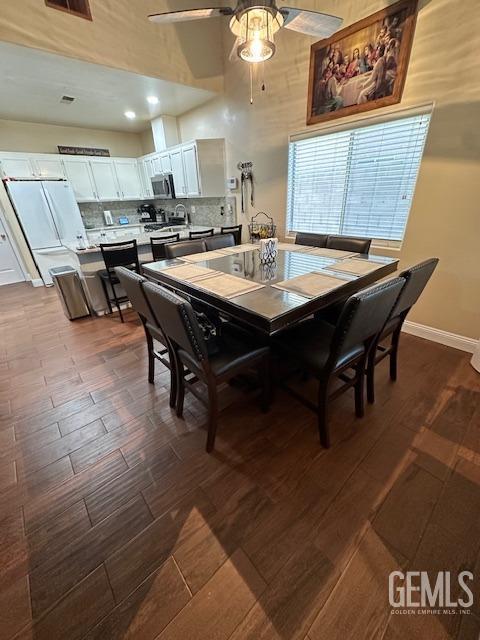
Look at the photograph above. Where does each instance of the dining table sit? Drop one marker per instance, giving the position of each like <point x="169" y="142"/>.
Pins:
<point x="270" y="296"/>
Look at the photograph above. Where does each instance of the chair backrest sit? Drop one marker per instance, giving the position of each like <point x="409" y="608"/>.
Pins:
<point x="349" y="243"/>
<point x="363" y="316"/>
<point x="177" y="320"/>
<point x="200" y="234"/>
<point x="220" y="242"/>
<point x="120" y="254"/>
<point x="416" y="279"/>
<point x="236" y="230"/>
<point x="132" y="285"/>
<point x="158" y="245"/>
<point x="311" y="239"/>
<point x="179" y="249"/>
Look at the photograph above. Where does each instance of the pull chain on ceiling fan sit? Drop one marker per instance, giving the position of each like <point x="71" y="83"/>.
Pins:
<point x="255" y="24"/>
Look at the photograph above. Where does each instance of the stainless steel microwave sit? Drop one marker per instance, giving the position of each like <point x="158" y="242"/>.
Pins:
<point x="163" y="186"/>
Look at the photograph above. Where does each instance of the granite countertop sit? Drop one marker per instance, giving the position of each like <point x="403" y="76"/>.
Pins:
<point x="141" y="238"/>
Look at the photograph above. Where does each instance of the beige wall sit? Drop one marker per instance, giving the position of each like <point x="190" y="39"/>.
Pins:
<point x="43" y="138"/>
<point x="445" y="217"/>
<point x="120" y="36"/>
<point x="146" y="139"/>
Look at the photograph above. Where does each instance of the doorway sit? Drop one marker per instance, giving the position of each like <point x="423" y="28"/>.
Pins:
<point x="10" y="269"/>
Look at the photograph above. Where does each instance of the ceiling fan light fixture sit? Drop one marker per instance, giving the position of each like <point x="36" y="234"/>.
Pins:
<point x="255" y="29"/>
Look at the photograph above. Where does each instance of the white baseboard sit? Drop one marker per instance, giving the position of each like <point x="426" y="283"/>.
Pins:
<point x="36" y="282"/>
<point x="438" y="335"/>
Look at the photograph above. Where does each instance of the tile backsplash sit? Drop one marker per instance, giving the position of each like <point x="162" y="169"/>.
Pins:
<point x="208" y="211"/>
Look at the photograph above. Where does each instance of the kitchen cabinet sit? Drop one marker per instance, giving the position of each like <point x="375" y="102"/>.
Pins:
<point x="178" y="171"/>
<point x="49" y="166"/>
<point x="157" y="165"/>
<point x="79" y="174"/>
<point x="165" y="162"/>
<point x="16" y="165"/>
<point x="191" y="173"/>
<point x="145" y="166"/>
<point x="105" y="179"/>
<point x="129" y="180"/>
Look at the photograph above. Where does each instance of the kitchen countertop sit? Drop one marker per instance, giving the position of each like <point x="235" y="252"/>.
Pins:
<point x="141" y="238"/>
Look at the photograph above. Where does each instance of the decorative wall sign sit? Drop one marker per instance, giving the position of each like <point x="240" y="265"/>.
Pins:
<point x="83" y="151"/>
<point x="362" y="67"/>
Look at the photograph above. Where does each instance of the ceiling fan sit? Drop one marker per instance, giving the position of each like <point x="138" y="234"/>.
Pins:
<point x="255" y="24"/>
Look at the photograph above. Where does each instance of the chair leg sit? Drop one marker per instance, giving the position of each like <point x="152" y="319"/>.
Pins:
<point x="359" y="389"/>
<point x="107" y="297"/>
<point x="323" y="429"/>
<point x="212" y="415"/>
<point x="151" y="358"/>
<point x="371" y="374"/>
<point x="394" y="354"/>
<point x="180" y="387"/>
<point x="266" y="384"/>
<point x="117" y="303"/>
<point x="173" y="379"/>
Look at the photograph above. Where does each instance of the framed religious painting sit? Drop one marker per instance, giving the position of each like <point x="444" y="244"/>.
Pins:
<point x="363" y="66"/>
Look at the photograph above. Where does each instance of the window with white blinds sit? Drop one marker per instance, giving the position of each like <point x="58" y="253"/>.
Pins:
<point x="358" y="182"/>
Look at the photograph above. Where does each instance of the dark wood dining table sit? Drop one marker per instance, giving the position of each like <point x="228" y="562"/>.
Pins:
<point x="269" y="309"/>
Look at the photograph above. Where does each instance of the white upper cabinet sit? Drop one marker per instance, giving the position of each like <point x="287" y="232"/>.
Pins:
<point x="79" y="174"/>
<point x="191" y="173"/>
<point x="157" y="165"/>
<point x="129" y="180"/>
<point x="16" y="165"/>
<point x="49" y="166"/>
<point x="176" y="159"/>
<point x="105" y="179"/>
<point x="145" y="166"/>
<point x="165" y="162"/>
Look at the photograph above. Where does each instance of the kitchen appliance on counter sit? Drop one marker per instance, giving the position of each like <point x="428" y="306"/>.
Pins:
<point x="147" y="212"/>
<point x="163" y="186"/>
<point x="49" y="216"/>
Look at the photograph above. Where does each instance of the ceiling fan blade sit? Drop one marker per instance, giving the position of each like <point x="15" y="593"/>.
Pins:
<point x="190" y="14"/>
<point x="311" y="23"/>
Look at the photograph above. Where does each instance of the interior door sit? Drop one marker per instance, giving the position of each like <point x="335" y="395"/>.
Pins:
<point x="80" y="177"/>
<point x="34" y="213"/>
<point x="192" y="183"/>
<point x="129" y="178"/>
<point x="178" y="173"/>
<point x="10" y="270"/>
<point x="105" y="179"/>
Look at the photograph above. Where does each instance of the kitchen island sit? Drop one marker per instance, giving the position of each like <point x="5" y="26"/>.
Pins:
<point x="89" y="261"/>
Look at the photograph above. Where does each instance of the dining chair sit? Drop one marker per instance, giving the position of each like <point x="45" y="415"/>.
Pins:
<point x="186" y="248"/>
<point x="200" y="234"/>
<point x="329" y="352"/>
<point x="132" y="284"/>
<point x="236" y="230"/>
<point x="220" y="242"/>
<point x="349" y="243"/>
<point x="237" y="352"/>
<point x="416" y="279"/>
<point x="117" y="254"/>
<point x="158" y="245"/>
<point x="311" y="239"/>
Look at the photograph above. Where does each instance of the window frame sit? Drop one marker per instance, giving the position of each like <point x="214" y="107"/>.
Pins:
<point x="86" y="16"/>
<point x="348" y="125"/>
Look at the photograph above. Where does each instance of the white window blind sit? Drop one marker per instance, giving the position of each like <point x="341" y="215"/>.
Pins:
<point x="358" y="182"/>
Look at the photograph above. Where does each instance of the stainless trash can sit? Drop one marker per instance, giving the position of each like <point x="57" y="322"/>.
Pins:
<point x="70" y="291"/>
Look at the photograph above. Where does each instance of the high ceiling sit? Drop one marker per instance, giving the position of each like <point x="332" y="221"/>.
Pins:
<point x="33" y="82"/>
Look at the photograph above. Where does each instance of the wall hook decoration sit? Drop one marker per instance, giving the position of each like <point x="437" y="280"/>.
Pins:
<point x="246" y="169"/>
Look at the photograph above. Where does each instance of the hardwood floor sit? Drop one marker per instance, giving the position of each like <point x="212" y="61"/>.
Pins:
<point x="115" y="523"/>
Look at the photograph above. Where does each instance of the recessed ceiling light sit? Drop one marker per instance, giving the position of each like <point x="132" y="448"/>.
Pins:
<point x="152" y="100"/>
<point x="130" y="115"/>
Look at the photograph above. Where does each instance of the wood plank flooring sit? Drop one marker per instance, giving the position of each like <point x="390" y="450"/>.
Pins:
<point x="115" y="523"/>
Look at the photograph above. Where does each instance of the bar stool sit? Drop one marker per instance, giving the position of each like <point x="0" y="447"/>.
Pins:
<point x="117" y="254"/>
<point x="200" y="234"/>
<point x="236" y="231"/>
<point x="158" y="245"/>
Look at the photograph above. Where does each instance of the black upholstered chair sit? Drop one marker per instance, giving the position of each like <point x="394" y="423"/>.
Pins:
<point x="117" y="254"/>
<point x="311" y="239"/>
<point x="235" y="230"/>
<point x="328" y="351"/>
<point x="179" y="249"/>
<point x="132" y="284"/>
<point x="220" y="242"/>
<point x="349" y="243"/>
<point x="236" y="353"/>
<point x="416" y="279"/>
<point x="200" y="234"/>
<point x="158" y="245"/>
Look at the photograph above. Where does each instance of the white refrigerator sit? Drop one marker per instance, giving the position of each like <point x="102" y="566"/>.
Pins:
<point x="51" y="221"/>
